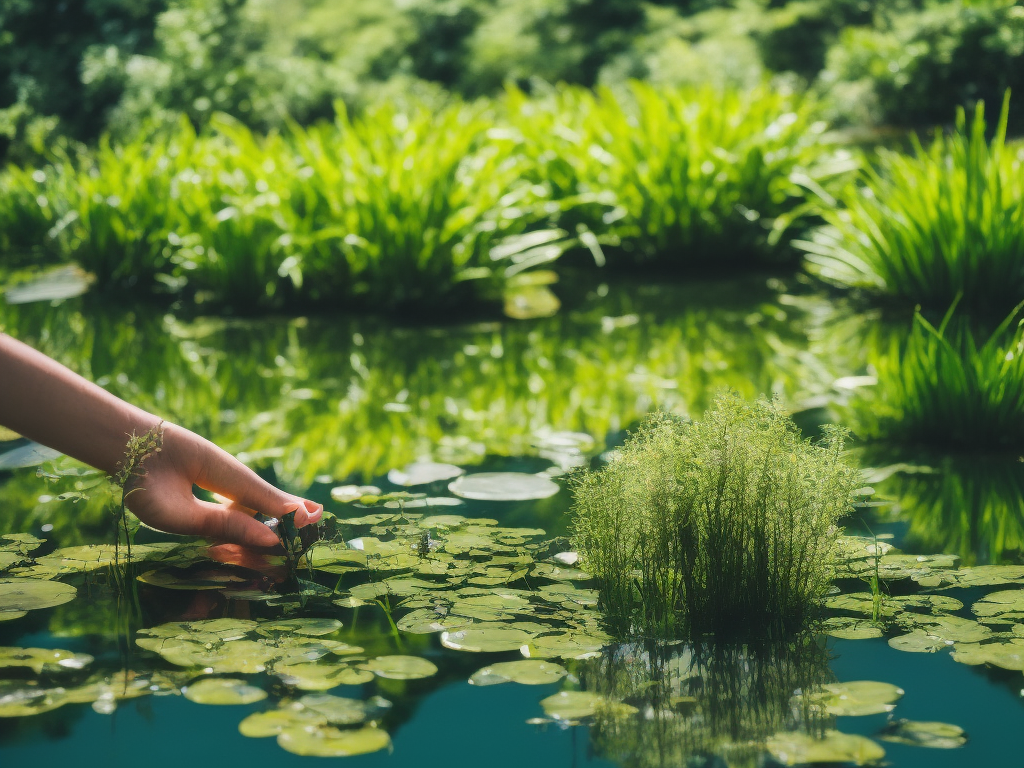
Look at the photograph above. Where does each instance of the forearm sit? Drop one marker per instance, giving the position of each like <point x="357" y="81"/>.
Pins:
<point x="46" y="402"/>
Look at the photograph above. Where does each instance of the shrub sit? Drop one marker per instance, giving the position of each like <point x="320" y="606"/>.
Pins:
<point x="944" y="221"/>
<point x="938" y="387"/>
<point x="722" y="526"/>
<point x="698" y="177"/>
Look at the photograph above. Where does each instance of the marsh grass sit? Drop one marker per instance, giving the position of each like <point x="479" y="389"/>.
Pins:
<point x="943" y="221"/>
<point x="723" y="526"/>
<point x="941" y="387"/>
<point x="696" y="178"/>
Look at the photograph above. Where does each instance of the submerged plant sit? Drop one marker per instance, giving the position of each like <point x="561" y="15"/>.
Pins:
<point x="720" y="526"/>
<point x="938" y="386"/>
<point x="947" y="220"/>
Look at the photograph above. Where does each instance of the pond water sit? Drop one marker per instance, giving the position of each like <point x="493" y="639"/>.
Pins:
<point x="474" y="580"/>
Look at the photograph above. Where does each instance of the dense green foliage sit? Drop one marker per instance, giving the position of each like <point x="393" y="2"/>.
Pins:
<point x="940" y="387"/>
<point x="75" y="69"/>
<point x="696" y="177"/>
<point x="724" y="525"/>
<point x="945" y="221"/>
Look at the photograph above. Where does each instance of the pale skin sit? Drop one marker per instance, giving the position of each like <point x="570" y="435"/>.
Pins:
<point x="46" y="402"/>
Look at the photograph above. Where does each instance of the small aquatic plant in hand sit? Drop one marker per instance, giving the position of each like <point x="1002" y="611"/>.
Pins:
<point x="723" y="526"/>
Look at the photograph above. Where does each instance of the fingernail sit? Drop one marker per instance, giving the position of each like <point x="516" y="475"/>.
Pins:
<point x="314" y="517"/>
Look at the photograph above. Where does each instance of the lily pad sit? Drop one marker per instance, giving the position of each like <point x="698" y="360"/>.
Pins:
<point x="18" y="595"/>
<point x="481" y="638"/>
<point x="856" y="698"/>
<point x="918" y="641"/>
<point x="320" y="676"/>
<point x="333" y="742"/>
<point x="834" y="747"/>
<point x="337" y="710"/>
<point x="400" y="667"/>
<point x="924" y="734"/>
<point x="576" y="705"/>
<point x="525" y="672"/>
<point x="503" y="486"/>
<point x="850" y="628"/>
<point x="1006" y="654"/>
<point x="43" y="659"/>
<point x="222" y="691"/>
<point x="1006" y="607"/>
<point x="423" y="473"/>
<point x="309" y="627"/>
<point x="260" y="725"/>
<point x="349" y="493"/>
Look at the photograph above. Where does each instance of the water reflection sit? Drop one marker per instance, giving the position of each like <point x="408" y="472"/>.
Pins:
<point x="696" y="705"/>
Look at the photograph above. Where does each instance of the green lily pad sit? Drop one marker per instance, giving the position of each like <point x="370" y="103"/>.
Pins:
<point x="222" y="691"/>
<point x="482" y="638"/>
<point x="349" y="493"/>
<point x="320" y="676"/>
<point x="426" y="620"/>
<point x="21" y="594"/>
<point x="834" y="747"/>
<point x="989" y="575"/>
<point x="424" y="472"/>
<point x="275" y="721"/>
<point x="948" y="628"/>
<point x="918" y="641"/>
<point x="1006" y="654"/>
<point x="309" y="627"/>
<point x="336" y="710"/>
<point x="333" y="742"/>
<point x="566" y="645"/>
<point x="441" y="521"/>
<point x="924" y="734"/>
<point x="43" y="659"/>
<point x="855" y="698"/>
<point x="576" y="705"/>
<point x="525" y="672"/>
<point x="559" y="573"/>
<point x="1006" y="607"/>
<point x="400" y="667"/>
<point x="849" y="628"/>
<point x="503" y="486"/>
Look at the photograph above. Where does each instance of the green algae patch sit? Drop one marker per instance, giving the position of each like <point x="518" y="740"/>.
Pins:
<point x="832" y="747"/>
<point x="222" y="691"/>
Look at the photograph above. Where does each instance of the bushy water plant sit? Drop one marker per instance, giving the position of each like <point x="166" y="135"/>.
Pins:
<point x="926" y="227"/>
<point x="941" y="386"/>
<point x="697" y="177"/>
<point x="722" y="526"/>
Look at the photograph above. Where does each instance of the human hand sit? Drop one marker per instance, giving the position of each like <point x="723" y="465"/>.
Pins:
<point x="161" y="494"/>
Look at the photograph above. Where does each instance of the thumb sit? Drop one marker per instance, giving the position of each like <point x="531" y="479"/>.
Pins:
<point x="230" y="524"/>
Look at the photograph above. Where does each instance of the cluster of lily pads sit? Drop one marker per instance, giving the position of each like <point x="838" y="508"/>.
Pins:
<point x="481" y="587"/>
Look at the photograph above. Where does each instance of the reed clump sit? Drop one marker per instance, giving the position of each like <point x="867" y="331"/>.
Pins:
<point x="943" y="221"/>
<point x="723" y="526"/>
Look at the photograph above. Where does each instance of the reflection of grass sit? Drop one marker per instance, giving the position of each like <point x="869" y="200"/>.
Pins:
<point x="725" y="525"/>
<point x="926" y="227"/>
<point x="971" y="506"/>
<point x="938" y="386"/>
<point x="700" y="702"/>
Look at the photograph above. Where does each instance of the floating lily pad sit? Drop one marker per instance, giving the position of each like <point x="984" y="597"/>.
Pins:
<point x="441" y="521"/>
<point x="503" y="486"/>
<point x="222" y="691"/>
<point x="480" y="638"/>
<point x="320" y="676"/>
<point x="337" y="710"/>
<point x="426" y="620"/>
<point x="1004" y="607"/>
<point x="18" y="595"/>
<point x="349" y="493"/>
<point x="849" y="628"/>
<point x="989" y="575"/>
<point x="309" y="627"/>
<point x="566" y="645"/>
<point x="401" y="667"/>
<point x="924" y="734"/>
<point x="424" y="472"/>
<point x="918" y="641"/>
<point x="43" y="659"/>
<point x="333" y="742"/>
<point x="576" y="705"/>
<point x="275" y="721"/>
<point x="525" y="672"/>
<point x="1007" y="654"/>
<point x="948" y="628"/>
<point x="856" y="698"/>
<point x="834" y="747"/>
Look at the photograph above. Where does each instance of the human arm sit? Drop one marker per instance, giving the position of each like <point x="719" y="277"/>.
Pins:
<point x="46" y="402"/>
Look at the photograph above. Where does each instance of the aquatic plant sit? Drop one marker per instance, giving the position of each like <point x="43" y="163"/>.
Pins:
<point x="944" y="221"/>
<point x="723" y="526"/>
<point x="939" y="386"/>
<point x="697" y="178"/>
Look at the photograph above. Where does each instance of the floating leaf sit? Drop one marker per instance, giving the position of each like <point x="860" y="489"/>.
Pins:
<point x="834" y="747"/>
<point x="43" y="659"/>
<point x="503" y="486"/>
<point x="924" y="734"/>
<point x="856" y="698"/>
<point x="309" y="627"/>
<point x="400" y="667"/>
<point x="1004" y="607"/>
<point x="918" y="641"/>
<point x="222" y="691"/>
<point x="482" y="638"/>
<point x="525" y="672"/>
<point x="424" y="472"/>
<point x="1007" y="654"/>
<point x="333" y="742"/>
<point x="275" y="721"/>
<point x="349" y="493"/>
<point x="576" y="705"/>
<point x="18" y="595"/>
<point x="849" y="628"/>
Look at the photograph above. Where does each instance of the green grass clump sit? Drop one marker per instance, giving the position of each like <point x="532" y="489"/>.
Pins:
<point x="696" y="178"/>
<point x="944" y="221"/>
<point x="721" y="526"/>
<point x="938" y="386"/>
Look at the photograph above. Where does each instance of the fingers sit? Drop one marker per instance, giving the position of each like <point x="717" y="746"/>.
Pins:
<point x="230" y="524"/>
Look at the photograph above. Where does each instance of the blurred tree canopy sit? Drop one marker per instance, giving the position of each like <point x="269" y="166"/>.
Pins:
<point x="77" y="68"/>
